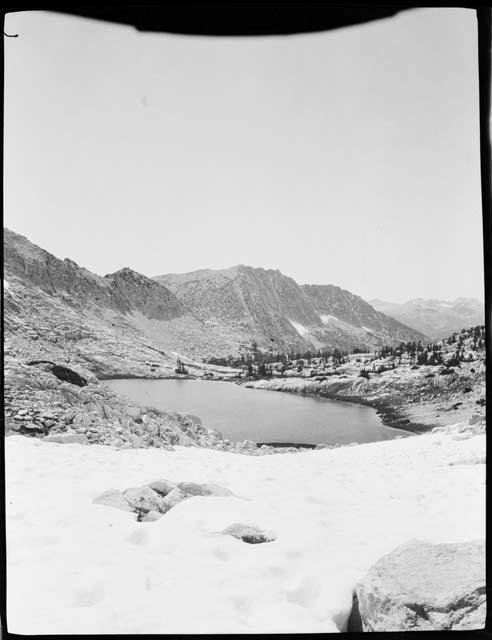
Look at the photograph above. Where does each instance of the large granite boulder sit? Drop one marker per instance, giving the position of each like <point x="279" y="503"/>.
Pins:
<point x="422" y="586"/>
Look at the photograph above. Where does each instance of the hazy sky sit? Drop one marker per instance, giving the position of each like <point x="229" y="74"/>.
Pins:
<point x="348" y="157"/>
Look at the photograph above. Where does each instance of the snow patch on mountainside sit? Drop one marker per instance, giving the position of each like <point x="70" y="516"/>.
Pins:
<point x="301" y="329"/>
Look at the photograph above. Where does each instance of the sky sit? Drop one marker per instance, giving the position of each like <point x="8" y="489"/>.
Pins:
<point x="348" y="157"/>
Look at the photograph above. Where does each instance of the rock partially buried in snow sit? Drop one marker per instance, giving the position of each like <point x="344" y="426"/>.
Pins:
<point x="217" y="490"/>
<point x="149" y="502"/>
<point x="247" y="533"/>
<point x="113" y="498"/>
<point x="67" y="438"/>
<point x="173" y="498"/>
<point x="194" y="489"/>
<point x="422" y="586"/>
<point x="143" y="499"/>
<point x="207" y="489"/>
<point x="151" y="516"/>
<point x="162" y="486"/>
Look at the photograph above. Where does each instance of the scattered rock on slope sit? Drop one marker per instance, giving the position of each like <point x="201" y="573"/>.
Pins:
<point x="422" y="586"/>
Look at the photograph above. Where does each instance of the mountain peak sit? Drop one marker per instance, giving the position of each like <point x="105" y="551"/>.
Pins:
<point x="436" y="318"/>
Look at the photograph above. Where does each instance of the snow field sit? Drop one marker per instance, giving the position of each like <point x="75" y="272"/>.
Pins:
<point x="77" y="567"/>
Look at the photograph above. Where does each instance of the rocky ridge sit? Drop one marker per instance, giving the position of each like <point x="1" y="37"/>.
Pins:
<point x="267" y="307"/>
<point x="120" y="324"/>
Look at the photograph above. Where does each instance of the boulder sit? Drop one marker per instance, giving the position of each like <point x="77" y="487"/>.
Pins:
<point x="66" y="374"/>
<point x="247" y="533"/>
<point x="31" y="428"/>
<point x="248" y="444"/>
<point x="67" y="438"/>
<point x="194" y="489"/>
<point x="151" y="516"/>
<point x="190" y="420"/>
<point x="163" y="487"/>
<point x="186" y="441"/>
<point x="82" y="420"/>
<point x="113" y="498"/>
<point x="173" y="498"/>
<point x="422" y="586"/>
<point x="143" y="499"/>
<point x="134" y="413"/>
<point x="217" y="490"/>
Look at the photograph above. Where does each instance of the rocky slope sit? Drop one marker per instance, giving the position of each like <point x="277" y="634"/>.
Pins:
<point x="198" y="315"/>
<point x="122" y="323"/>
<point x="41" y="402"/>
<point x="271" y="309"/>
<point x="436" y="318"/>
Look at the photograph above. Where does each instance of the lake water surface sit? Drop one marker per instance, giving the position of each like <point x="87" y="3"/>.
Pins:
<point x="263" y="416"/>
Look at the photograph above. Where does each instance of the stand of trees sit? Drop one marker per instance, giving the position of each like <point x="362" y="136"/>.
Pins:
<point x="180" y="368"/>
<point x="257" y="357"/>
<point x="258" y="363"/>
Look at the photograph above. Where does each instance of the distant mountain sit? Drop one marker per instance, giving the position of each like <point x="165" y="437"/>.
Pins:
<point x="54" y="309"/>
<point x="436" y="318"/>
<point x="267" y="307"/>
<point x="127" y="322"/>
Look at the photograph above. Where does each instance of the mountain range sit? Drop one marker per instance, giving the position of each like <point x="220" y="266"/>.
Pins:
<point x="435" y="318"/>
<point x="126" y="322"/>
<point x="263" y="305"/>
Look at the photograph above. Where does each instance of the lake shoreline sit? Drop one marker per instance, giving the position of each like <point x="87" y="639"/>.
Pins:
<point x="305" y="422"/>
<point x="391" y="415"/>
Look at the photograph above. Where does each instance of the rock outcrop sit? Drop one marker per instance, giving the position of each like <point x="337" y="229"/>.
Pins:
<point x="422" y="586"/>
<point x="38" y="403"/>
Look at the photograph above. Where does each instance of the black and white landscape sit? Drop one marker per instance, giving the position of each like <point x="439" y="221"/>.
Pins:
<point x="244" y="341"/>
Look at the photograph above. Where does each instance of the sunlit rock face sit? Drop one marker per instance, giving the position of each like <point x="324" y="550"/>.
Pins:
<point x="422" y="586"/>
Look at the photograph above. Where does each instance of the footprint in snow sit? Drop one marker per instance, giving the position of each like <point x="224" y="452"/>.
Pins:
<point x="139" y="536"/>
<point x="87" y="595"/>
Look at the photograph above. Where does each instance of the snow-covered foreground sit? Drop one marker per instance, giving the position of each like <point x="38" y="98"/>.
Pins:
<point x="77" y="567"/>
